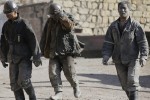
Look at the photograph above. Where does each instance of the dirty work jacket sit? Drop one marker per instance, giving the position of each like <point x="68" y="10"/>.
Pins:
<point x="57" y="37"/>
<point x="131" y="45"/>
<point x="18" y="41"/>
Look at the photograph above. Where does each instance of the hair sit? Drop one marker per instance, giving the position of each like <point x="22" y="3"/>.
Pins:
<point x="125" y="2"/>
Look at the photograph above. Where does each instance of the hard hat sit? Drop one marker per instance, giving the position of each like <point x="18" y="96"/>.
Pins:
<point x="9" y="7"/>
<point x="54" y="7"/>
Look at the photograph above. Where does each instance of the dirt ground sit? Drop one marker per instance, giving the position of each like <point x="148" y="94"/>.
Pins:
<point x="97" y="82"/>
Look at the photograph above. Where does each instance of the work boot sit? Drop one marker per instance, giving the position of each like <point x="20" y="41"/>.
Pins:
<point x="77" y="92"/>
<point x="31" y="93"/>
<point x="57" y="96"/>
<point x="133" y="95"/>
<point x="19" y="95"/>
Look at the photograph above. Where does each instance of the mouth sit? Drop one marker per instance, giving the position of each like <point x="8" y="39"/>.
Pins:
<point x="123" y="12"/>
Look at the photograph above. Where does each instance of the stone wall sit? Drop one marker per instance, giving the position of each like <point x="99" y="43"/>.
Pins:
<point x="36" y="14"/>
<point x="94" y="16"/>
<point x="2" y="18"/>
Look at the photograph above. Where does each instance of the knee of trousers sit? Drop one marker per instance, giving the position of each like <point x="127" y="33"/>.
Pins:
<point x="73" y="80"/>
<point x="55" y="79"/>
<point x="15" y="87"/>
<point x="53" y="75"/>
<point x="132" y="81"/>
<point x="133" y="85"/>
<point x="25" y="83"/>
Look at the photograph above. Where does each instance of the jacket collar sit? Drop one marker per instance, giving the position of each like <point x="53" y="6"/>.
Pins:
<point x="115" y="23"/>
<point x="128" y="25"/>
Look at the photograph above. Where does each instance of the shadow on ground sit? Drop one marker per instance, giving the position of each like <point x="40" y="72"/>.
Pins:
<point x="113" y="79"/>
<point x="145" y="81"/>
<point x="103" y="78"/>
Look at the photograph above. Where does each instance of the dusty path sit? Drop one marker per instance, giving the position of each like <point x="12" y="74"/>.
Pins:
<point x="97" y="82"/>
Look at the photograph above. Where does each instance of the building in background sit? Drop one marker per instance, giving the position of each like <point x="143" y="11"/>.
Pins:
<point x="93" y="16"/>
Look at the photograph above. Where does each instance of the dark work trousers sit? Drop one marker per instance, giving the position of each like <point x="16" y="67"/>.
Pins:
<point x="129" y="75"/>
<point x="20" y="72"/>
<point x="56" y="65"/>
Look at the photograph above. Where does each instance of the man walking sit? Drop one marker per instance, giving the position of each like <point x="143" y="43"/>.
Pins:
<point x="60" y="45"/>
<point x="17" y="45"/>
<point x="126" y="42"/>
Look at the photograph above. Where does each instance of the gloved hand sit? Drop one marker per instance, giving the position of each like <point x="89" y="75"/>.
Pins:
<point x="142" y="62"/>
<point x="57" y="14"/>
<point x="4" y="64"/>
<point x="105" y="60"/>
<point x="37" y="62"/>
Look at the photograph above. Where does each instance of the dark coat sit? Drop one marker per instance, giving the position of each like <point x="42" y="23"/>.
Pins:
<point x="58" y="38"/>
<point x="18" y="41"/>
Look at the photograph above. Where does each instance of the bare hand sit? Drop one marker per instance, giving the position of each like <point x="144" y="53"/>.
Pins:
<point x="142" y="62"/>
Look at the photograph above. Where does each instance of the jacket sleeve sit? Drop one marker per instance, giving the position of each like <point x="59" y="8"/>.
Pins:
<point x="66" y="20"/>
<point x="108" y="43"/>
<point x="43" y="38"/>
<point x="32" y="40"/>
<point x="4" y="47"/>
<point x="142" y="41"/>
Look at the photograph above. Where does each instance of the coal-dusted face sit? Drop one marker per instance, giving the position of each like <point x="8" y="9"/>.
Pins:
<point x="11" y="15"/>
<point x="123" y="10"/>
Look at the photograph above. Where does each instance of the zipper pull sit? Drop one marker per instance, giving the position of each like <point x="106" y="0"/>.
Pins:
<point x="18" y="37"/>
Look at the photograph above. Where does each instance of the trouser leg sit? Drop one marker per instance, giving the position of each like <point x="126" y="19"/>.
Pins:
<point x="122" y="73"/>
<point x="133" y="95"/>
<point x="129" y="76"/>
<point x="69" y="70"/>
<point x="25" y="70"/>
<point x="55" y="74"/>
<point x="30" y="91"/>
<point x="13" y="75"/>
<point x="19" y="95"/>
<point x="127" y="93"/>
<point x="55" y="78"/>
<point x="70" y="73"/>
<point x="133" y="76"/>
<point x="20" y="74"/>
<point x="133" y="79"/>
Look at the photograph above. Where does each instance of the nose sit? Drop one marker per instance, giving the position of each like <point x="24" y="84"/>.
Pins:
<point x="122" y="10"/>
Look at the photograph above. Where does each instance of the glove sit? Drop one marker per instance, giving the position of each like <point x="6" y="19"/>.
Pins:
<point x="57" y="15"/>
<point x="142" y="62"/>
<point x="37" y="62"/>
<point x="4" y="64"/>
<point x="105" y="60"/>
